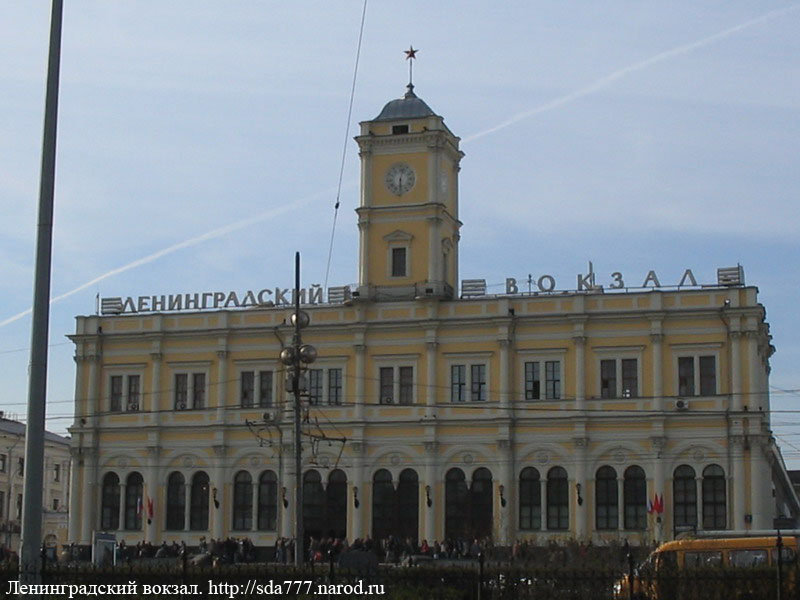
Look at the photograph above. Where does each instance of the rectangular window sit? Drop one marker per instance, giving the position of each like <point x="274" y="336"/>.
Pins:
<point x="315" y="386"/>
<point x="3" y="459"/>
<point x="2" y="504"/>
<point x="478" y="383"/>
<point x="552" y="379"/>
<point x="21" y="467"/>
<point x="57" y="472"/>
<point x="133" y="392"/>
<point x="116" y="393"/>
<point x="458" y="382"/>
<point x="334" y="386"/>
<point x="198" y="390"/>
<point x="387" y="385"/>
<point x="19" y="506"/>
<point x="55" y="503"/>
<point x="686" y="376"/>
<point x="265" y="389"/>
<point x="398" y="262"/>
<point x="246" y="389"/>
<point x="608" y="378"/>
<point x="708" y="376"/>
<point x="406" y="385"/>
<point x="181" y="391"/>
<point x="630" y="378"/>
<point x="533" y="381"/>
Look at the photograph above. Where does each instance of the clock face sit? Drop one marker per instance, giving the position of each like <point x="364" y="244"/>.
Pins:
<point x="400" y="178"/>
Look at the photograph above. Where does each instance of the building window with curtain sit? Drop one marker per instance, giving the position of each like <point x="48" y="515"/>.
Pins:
<point x="557" y="499"/>
<point x="242" y="501"/>
<point x="109" y="512"/>
<point x="176" y="501"/>
<point x="133" y="502"/>
<point x="606" y="499"/>
<point x="684" y="495"/>
<point x="530" y="500"/>
<point x="267" y="501"/>
<point x="715" y="514"/>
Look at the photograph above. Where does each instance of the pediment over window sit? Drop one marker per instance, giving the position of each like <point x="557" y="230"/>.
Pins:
<point x="398" y="236"/>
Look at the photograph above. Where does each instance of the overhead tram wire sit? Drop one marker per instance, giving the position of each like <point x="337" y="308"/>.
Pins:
<point x="345" y="144"/>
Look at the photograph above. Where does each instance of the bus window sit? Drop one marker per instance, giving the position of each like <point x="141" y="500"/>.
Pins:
<point x="702" y="559"/>
<point x="748" y="558"/>
<point x="668" y="560"/>
<point x="787" y="555"/>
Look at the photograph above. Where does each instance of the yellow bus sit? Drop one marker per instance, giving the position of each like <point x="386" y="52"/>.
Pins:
<point x="658" y="577"/>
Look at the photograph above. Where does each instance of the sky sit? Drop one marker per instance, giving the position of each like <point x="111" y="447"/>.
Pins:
<point x="200" y="145"/>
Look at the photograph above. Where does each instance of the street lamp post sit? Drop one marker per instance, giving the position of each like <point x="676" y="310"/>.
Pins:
<point x="297" y="356"/>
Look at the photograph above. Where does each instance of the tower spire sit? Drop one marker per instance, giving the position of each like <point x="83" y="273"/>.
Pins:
<point x="411" y="55"/>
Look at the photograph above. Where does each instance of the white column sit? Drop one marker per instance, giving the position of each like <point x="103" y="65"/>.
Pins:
<point x="151" y="487"/>
<point x="659" y="485"/>
<point x="737" y="506"/>
<point x="760" y="486"/>
<point x="222" y="379"/>
<point x="621" y="500"/>
<point x="219" y="484"/>
<point x="363" y="251"/>
<point x="361" y="397"/>
<point x="286" y="492"/>
<point x="430" y="389"/>
<point x="254" y="524"/>
<point x="187" y="507"/>
<point x="431" y="531"/>
<point x="657" y="341"/>
<point x="74" y="497"/>
<point x="506" y="520"/>
<point x="737" y="399"/>
<point x="505" y="396"/>
<point x="581" y="525"/>
<point x="155" y="389"/>
<point x="580" y="372"/>
<point x="89" y="490"/>
<point x="122" y="488"/>
<point x="356" y="514"/>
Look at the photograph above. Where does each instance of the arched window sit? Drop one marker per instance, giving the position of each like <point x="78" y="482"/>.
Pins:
<point x="408" y="505"/>
<point x="481" y="503"/>
<point x="606" y="499"/>
<point x="684" y="497"/>
<point x="530" y="500"/>
<point x="242" y="501"/>
<point x="336" y="504"/>
<point x="456" y="505"/>
<point x="198" y="515"/>
<point x="176" y="501"/>
<point x="715" y="514"/>
<point x="133" y="502"/>
<point x="557" y="499"/>
<point x="268" y="501"/>
<point x="384" y="505"/>
<point x="635" y="497"/>
<point x="109" y="518"/>
<point x="314" y="500"/>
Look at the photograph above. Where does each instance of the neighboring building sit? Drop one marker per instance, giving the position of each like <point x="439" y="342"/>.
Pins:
<point x="55" y="497"/>
<point x="429" y="415"/>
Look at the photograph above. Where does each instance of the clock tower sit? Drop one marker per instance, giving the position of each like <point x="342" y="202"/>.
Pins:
<point x="408" y="214"/>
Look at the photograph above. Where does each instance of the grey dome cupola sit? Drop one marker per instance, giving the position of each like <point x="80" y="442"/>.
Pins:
<point x="407" y="107"/>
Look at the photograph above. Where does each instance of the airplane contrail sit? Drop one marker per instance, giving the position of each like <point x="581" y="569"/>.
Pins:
<point x="209" y="235"/>
<point x="637" y="66"/>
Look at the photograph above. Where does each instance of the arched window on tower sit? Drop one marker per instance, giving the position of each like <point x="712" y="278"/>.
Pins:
<point x="530" y="500"/>
<point x="715" y="514"/>
<point x="684" y="497"/>
<point x="242" y="501"/>
<point x="176" y="501"/>
<point x="456" y="505"/>
<point x="133" y="502"/>
<point x="109" y="518"/>
<point x="198" y="515"/>
<point x="635" y="497"/>
<point x="606" y="499"/>
<point x="268" y="501"/>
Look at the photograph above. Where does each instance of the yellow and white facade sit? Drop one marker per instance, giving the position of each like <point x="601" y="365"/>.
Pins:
<point x="429" y="415"/>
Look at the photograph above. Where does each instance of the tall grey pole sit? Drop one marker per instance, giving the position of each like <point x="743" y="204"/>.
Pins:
<point x="298" y="447"/>
<point x="37" y="386"/>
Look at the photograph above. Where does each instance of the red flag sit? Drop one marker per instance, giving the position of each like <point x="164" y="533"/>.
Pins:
<point x="149" y="508"/>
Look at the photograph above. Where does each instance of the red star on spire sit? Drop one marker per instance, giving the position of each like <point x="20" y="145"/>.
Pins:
<point x="411" y="52"/>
